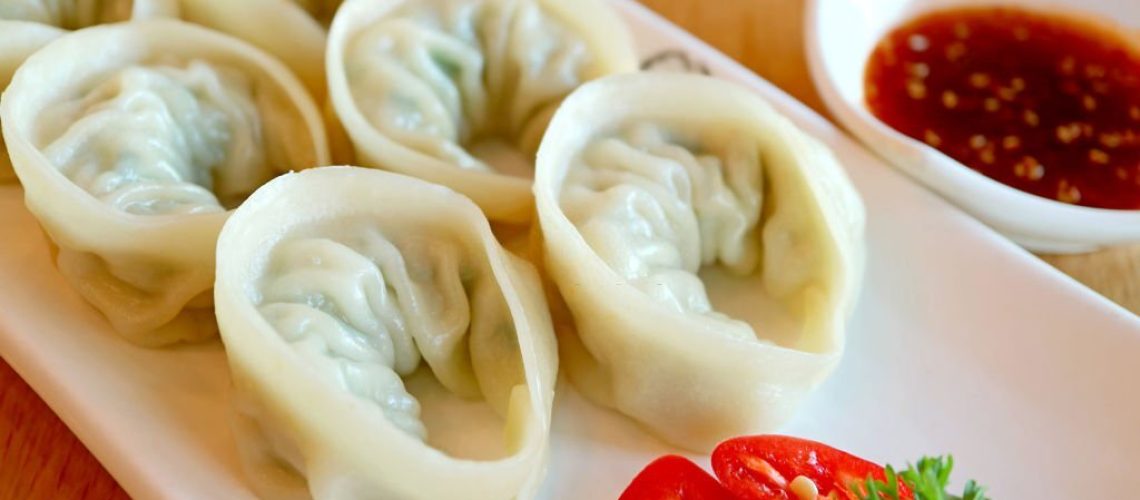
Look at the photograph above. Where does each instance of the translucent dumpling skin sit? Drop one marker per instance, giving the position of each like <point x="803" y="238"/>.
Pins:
<point x="156" y="140"/>
<point x="459" y="92"/>
<point x="131" y="161"/>
<point x="336" y="284"/>
<point x="28" y="25"/>
<point x="708" y="251"/>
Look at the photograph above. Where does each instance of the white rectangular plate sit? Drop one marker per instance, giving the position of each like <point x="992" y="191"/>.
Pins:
<point x="962" y="343"/>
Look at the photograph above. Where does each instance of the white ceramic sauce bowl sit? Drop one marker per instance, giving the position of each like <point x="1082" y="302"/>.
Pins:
<point x="841" y="35"/>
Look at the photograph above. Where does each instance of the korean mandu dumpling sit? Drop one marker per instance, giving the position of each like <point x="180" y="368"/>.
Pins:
<point x="708" y="251"/>
<point x="334" y="285"/>
<point x="27" y="25"/>
<point x="459" y="92"/>
<point x="131" y="160"/>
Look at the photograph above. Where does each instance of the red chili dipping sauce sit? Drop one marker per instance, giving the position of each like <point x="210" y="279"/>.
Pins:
<point x="1042" y="103"/>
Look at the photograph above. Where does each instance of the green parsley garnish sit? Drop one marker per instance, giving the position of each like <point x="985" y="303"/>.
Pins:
<point x="927" y="481"/>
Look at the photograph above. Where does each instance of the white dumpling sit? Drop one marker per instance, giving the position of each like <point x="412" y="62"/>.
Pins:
<point x="459" y="92"/>
<point x="708" y="251"/>
<point x="131" y="160"/>
<point x="27" y="25"/>
<point x="334" y="286"/>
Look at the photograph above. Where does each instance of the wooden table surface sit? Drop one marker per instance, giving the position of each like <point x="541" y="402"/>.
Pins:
<point x="41" y="458"/>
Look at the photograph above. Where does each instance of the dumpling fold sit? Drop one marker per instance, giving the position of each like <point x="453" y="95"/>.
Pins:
<point x="339" y="290"/>
<point x="459" y="92"/>
<point x="28" y="25"/>
<point x="133" y="141"/>
<point x="708" y="250"/>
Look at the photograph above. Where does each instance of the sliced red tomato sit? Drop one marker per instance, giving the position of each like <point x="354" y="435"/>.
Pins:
<point x="673" y="477"/>
<point x="763" y="468"/>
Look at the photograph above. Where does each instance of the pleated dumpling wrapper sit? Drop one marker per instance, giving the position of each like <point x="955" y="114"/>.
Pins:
<point x="292" y="30"/>
<point x="132" y="142"/>
<point x="334" y="286"/>
<point x="708" y="251"/>
<point x="28" y="25"/>
<point x="459" y="92"/>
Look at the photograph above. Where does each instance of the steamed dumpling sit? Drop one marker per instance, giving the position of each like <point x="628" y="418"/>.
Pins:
<point x="27" y="25"/>
<point x="131" y="160"/>
<point x="459" y="92"/>
<point x="708" y="251"/>
<point x="334" y="287"/>
<point x="165" y="139"/>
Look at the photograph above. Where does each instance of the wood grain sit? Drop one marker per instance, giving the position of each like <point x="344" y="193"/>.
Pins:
<point x="764" y="35"/>
<point x="40" y="458"/>
<point x="1114" y="273"/>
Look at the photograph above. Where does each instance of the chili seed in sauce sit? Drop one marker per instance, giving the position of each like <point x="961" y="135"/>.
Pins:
<point x="1043" y="103"/>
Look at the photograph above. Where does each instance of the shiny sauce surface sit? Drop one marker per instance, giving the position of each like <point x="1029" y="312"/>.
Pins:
<point x="1043" y="103"/>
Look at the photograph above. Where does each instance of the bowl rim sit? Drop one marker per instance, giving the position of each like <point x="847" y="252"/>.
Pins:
<point x="1035" y="222"/>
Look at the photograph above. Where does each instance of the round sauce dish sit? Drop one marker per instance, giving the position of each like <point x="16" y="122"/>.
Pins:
<point x="1038" y="102"/>
<point x="1025" y="114"/>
